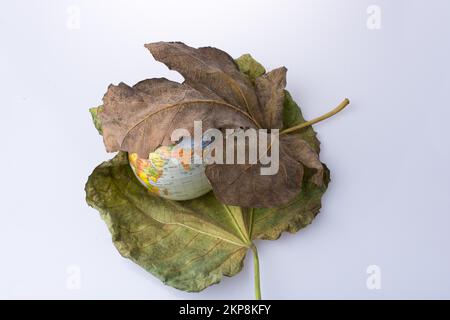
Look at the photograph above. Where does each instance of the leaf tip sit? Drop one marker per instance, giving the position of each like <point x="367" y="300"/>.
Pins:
<point x="248" y="65"/>
<point x="95" y="114"/>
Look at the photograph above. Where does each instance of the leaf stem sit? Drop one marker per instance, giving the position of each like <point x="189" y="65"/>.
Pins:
<point x="256" y="273"/>
<point x="245" y="238"/>
<point x="341" y="106"/>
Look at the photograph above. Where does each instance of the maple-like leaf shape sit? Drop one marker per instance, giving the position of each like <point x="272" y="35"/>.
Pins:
<point x="139" y="119"/>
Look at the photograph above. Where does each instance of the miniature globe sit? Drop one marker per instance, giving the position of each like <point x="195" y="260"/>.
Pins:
<point x="171" y="172"/>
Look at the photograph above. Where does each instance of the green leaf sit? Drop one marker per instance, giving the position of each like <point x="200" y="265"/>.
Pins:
<point x="191" y="245"/>
<point x="188" y="245"/>
<point x="95" y="114"/>
<point x="250" y="66"/>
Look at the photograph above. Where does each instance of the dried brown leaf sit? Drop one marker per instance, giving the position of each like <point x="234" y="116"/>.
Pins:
<point x="141" y="118"/>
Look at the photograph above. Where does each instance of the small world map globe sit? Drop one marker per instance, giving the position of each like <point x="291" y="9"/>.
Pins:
<point x="171" y="172"/>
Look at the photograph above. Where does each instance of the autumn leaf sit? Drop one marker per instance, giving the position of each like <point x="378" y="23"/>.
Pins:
<point x="141" y="118"/>
<point x="192" y="244"/>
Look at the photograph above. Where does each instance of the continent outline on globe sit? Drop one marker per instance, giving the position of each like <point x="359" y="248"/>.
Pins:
<point x="170" y="172"/>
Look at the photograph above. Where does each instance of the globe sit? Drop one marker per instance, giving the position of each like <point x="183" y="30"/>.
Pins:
<point x="171" y="172"/>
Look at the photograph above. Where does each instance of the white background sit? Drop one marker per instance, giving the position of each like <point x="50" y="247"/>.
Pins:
<point x="389" y="200"/>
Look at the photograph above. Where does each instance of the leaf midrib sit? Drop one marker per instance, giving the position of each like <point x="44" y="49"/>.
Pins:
<point x="199" y="101"/>
<point x="174" y="223"/>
